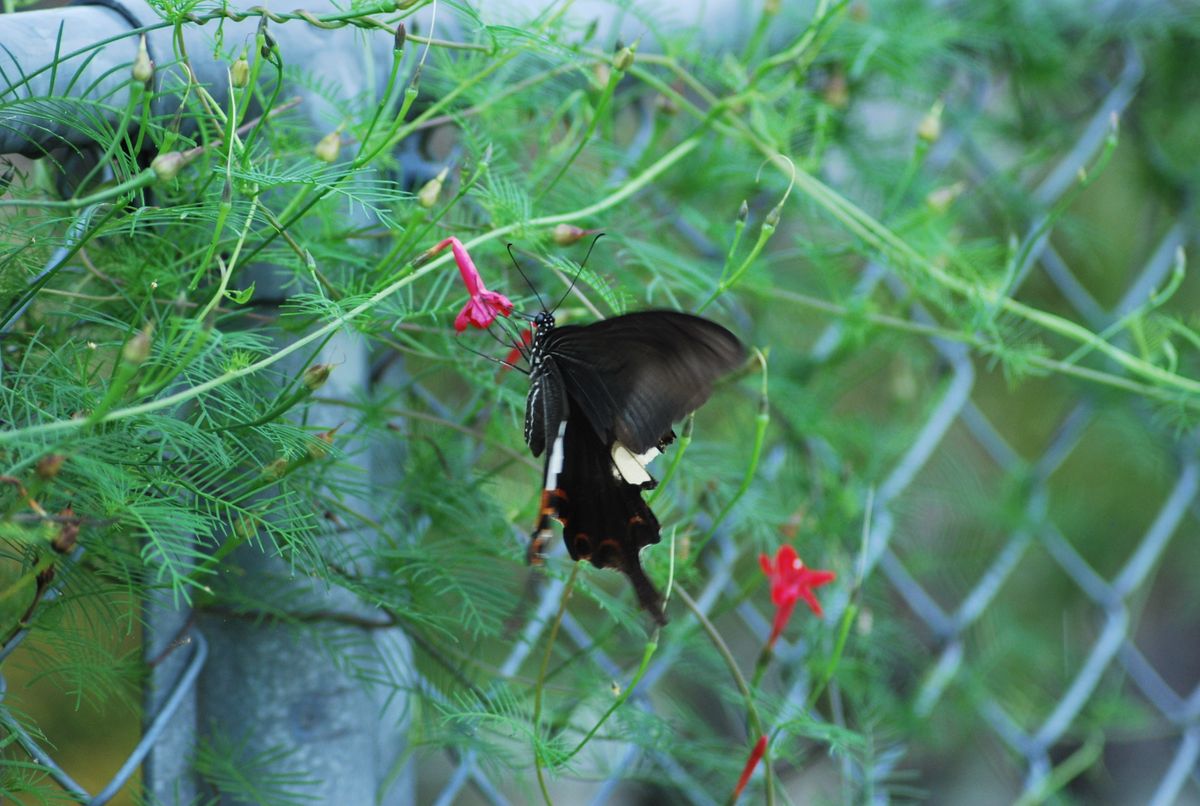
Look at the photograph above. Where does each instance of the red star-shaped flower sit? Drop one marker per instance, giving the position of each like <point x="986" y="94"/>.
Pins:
<point x="791" y="580"/>
<point x="484" y="306"/>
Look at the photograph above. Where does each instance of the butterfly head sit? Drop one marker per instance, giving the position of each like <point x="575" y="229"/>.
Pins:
<point x="543" y="322"/>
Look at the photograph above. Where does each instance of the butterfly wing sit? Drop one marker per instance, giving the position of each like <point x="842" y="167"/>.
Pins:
<point x="634" y="375"/>
<point x="546" y="405"/>
<point x="601" y="397"/>
<point x="604" y="518"/>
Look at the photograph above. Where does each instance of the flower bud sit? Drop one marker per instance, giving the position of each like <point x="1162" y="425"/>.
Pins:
<point x="49" y="465"/>
<point x="567" y="234"/>
<point x="666" y="105"/>
<point x="743" y="212"/>
<point x="623" y="59"/>
<point x="68" y="533"/>
<point x="930" y="128"/>
<point x="940" y="200"/>
<point x="143" y="65"/>
<point x="245" y="529"/>
<point x="837" y="90"/>
<point x="239" y="73"/>
<point x="428" y="195"/>
<point x="329" y="147"/>
<point x="167" y="166"/>
<point x="137" y="349"/>
<point x="320" y="449"/>
<point x="315" y="376"/>
<point x="772" y="219"/>
<point x="401" y="35"/>
<point x="276" y="469"/>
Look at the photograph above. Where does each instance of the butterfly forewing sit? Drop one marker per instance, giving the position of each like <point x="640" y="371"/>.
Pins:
<point x="635" y="375"/>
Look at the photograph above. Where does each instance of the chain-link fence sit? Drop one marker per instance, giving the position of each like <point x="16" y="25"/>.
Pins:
<point x="1045" y="750"/>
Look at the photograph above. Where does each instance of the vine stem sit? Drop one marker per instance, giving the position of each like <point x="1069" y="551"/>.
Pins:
<point x="625" y="191"/>
<point x="739" y="679"/>
<point x="541" y="681"/>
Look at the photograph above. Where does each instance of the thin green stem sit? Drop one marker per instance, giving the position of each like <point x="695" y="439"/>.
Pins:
<point x="760" y="434"/>
<point x="144" y="178"/>
<point x="625" y="191"/>
<point x="735" y="671"/>
<point x="600" y="111"/>
<point x="541" y="681"/>
<point x="681" y="446"/>
<point x="647" y="653"/>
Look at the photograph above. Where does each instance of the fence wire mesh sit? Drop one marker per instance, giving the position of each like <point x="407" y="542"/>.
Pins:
<point x="1043" y="749"/>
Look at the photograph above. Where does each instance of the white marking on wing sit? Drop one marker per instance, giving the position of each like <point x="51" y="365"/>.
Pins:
<point x="554" y="464"/>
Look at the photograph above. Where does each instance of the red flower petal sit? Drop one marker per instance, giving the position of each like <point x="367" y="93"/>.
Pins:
<point x="756" y="754"/>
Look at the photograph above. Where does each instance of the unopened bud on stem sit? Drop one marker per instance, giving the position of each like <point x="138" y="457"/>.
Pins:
<point x="167" y="166"/>
<point x="930" y="128"/>
<point x="137" y="349"/>
<point x="428" y="195"/>
<point x="143" y="65"/>
<point x="316" y="375"/>
<point x="772" y="219"/>
<point x="49" y="465"/>
<point x="623" y="59"/>
<point x="567" y="234"/>
<point x="329" y="146"/>
<point x="239" y="73"/>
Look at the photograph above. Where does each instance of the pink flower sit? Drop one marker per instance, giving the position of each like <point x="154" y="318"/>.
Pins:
<point x="483" y="306"/>
<point x="756" y="754"/>
<point x="791" y="580"/>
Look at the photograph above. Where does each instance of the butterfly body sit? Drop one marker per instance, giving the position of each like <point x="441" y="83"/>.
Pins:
<point x="601" y="404"/>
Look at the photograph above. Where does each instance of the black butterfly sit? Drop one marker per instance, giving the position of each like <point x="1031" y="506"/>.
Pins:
<point x="601" y="403"/>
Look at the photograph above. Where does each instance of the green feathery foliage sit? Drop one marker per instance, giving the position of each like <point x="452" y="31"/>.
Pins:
<point x="163" y="408"/>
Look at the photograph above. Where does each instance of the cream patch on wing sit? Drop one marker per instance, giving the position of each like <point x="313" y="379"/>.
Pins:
<point x="631" y="466"/>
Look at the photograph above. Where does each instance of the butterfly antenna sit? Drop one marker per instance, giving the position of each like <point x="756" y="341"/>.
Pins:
<point x="541" y="301"/>
<point x="500" y="361"/>
<point x="571" y="287"/>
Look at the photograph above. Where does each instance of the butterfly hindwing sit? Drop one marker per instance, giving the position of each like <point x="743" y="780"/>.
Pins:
<point x="604" y="518"/>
